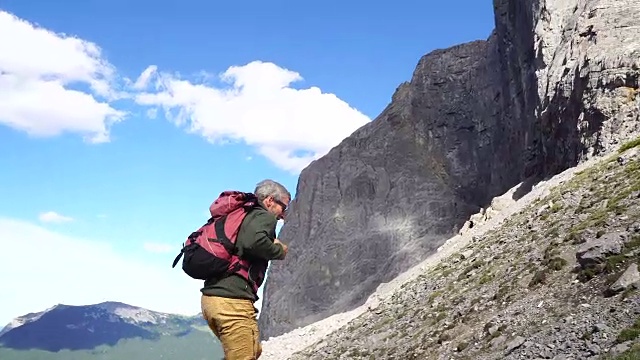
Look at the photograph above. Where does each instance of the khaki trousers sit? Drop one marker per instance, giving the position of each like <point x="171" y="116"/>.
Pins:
<point x="234" y="322"/>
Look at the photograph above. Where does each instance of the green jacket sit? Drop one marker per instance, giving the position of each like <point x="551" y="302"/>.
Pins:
<point x="255" y="243"/>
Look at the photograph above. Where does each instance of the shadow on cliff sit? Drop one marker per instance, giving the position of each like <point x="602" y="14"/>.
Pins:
<point x="561" y="131"/>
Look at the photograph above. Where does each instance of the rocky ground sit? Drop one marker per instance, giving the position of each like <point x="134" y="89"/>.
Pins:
<point x="557" y="280"/>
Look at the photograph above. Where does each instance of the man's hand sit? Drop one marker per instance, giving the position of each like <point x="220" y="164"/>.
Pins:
<point x="284" y="246"/>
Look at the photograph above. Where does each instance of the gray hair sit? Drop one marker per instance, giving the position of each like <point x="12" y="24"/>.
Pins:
<point x="268" y="187"/>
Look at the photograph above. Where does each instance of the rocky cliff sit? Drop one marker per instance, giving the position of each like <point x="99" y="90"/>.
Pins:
<point x="554" y="84"/>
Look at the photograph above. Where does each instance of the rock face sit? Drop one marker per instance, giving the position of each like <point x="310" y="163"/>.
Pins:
<point x="555" y="83"/>
<point x="587" y="68"/>
<point x="396" y="189"/>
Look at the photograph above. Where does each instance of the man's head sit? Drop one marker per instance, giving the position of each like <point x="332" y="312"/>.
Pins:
<point x="273" y="196"/>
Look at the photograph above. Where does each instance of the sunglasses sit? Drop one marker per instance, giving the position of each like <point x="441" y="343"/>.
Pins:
<point x="283" y="205"/>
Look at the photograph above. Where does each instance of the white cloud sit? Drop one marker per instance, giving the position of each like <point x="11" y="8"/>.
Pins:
<point x="152" y="113"/>
<point x="143" y="79"/>
<point x="37" y="70"/>
<point x="291" y="127"/>
<point x="81" y="272"/>
<point x="160" y="248"/>
<point x="54" y="217"/>
<point x="53" y="83"/>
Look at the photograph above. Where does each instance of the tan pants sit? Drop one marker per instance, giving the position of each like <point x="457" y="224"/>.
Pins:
<point x="234" y="322"/>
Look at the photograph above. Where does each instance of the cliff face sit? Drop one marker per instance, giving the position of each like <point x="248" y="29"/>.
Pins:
<point x="397" y="188"/>
<point x="587" y="68"/>
<point x="554" y="84"/>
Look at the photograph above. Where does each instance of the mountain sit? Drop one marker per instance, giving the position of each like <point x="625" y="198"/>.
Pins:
<point x="552" y="274"/>
<point x="554" y="85"/>
<point x="19" y="321"/>
<point x="109" y="330"/>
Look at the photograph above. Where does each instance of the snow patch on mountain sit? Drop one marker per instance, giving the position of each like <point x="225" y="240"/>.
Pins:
<point x="140" y="315"/>
<point x="24" y="319"/>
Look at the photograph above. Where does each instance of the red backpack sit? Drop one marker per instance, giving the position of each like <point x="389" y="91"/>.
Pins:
<point x="210" y="251"/>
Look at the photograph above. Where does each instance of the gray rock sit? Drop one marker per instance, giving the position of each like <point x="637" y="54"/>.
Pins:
<point x="545" y="354"/>
<point x="553" y="85"/>
<point x="514" y="344"/>
<point x="594" y="349"/>
<point x="563" y="357"/>
<point x="630" y="278"/>
<point x="596" y="251"/>
<point x="620" y="348"/>
<point x="635" y="227"/>
<point x="600" y="328"/>
<point x="497" y="341"/>
<point x="466" y="254"/>
<point x="492" y="330"/>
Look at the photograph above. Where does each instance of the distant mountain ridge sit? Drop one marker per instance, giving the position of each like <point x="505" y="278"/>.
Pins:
<point x="126" y="311"/>
<point x="24" y="319"/>
<point x="105" y="325"/>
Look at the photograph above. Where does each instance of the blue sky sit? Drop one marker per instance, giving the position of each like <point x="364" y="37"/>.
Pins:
<point x="149" y="178"/>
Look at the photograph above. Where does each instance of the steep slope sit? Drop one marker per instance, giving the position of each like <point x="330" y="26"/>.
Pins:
<point x="107" y="331"/>
<point x="557" y="279"/>
<point x="555" y="84"/>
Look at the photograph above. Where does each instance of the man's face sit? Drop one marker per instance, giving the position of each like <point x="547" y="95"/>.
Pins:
<point x="276" y="207"/>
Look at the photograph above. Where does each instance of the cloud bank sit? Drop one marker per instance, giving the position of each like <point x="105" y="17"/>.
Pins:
<point x="52" y="83"/>
<point x="76" y="271"/>
<point x="38" y="69"/>
<point x="291" y="127"/>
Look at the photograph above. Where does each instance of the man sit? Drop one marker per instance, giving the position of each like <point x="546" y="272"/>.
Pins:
<point x="227" y="303"/>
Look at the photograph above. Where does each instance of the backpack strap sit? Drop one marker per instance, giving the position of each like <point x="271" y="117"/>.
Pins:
<point x="221" y="236"/>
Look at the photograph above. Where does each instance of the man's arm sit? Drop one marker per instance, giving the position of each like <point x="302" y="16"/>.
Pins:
<point x="257" y="242"/>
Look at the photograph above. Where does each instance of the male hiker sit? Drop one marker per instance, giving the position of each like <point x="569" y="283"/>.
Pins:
<point x="227" y="302"/>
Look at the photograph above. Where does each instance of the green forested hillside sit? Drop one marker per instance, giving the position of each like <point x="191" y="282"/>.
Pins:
<point x="196" y="345"/>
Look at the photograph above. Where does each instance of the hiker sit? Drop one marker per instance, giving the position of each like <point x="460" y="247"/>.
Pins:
<point x="228" y="301"/>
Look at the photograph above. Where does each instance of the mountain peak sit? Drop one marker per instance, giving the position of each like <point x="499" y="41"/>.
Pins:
<point x="87" y="326"/>
<point x="115" y="304"/>
<point x="133" y="313"/>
